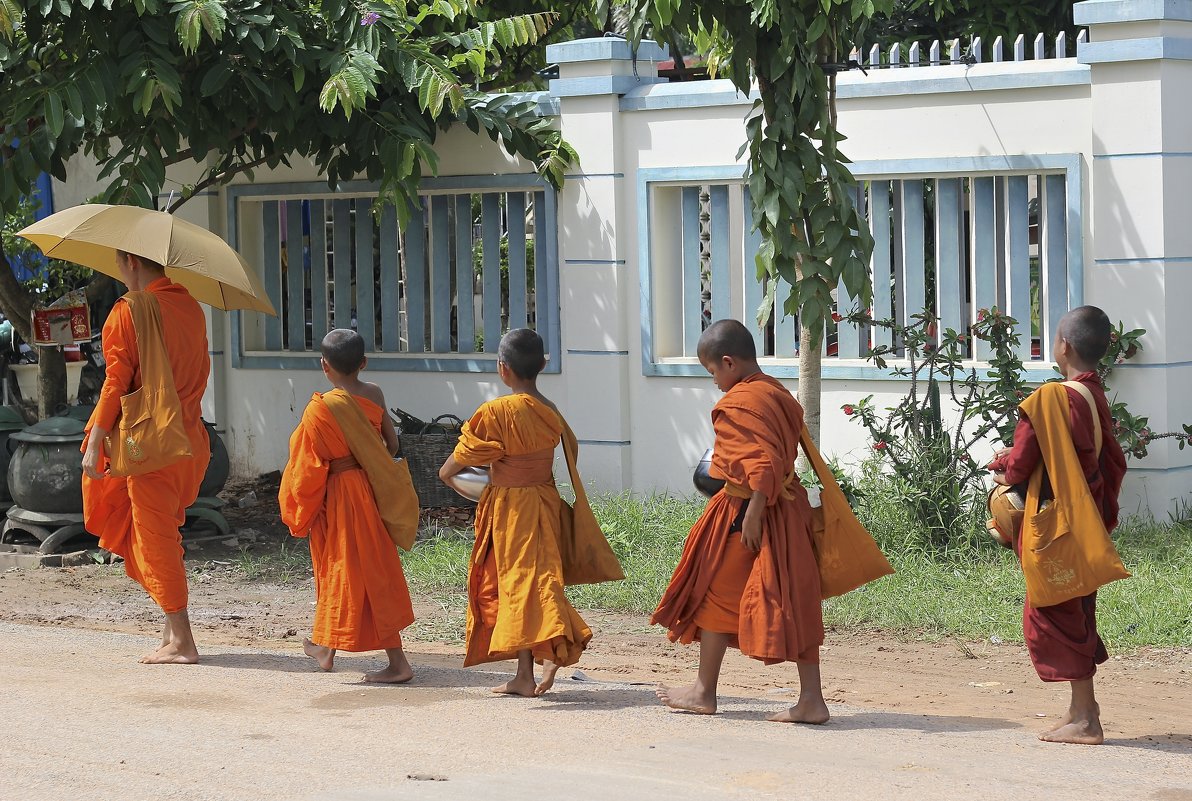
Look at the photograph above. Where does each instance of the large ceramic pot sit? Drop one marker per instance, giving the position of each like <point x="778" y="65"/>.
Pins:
<point x="10" y="421"/>
<point x="44" y="473"/>
<point x="219" y="467"/>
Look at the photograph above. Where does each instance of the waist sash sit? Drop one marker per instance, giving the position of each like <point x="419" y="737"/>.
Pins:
<point x="524" y="470"/>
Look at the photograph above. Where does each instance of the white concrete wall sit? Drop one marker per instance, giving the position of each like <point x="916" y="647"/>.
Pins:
<point x="646" y="433"/>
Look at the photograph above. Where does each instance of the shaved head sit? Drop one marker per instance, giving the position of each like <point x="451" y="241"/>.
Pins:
<point x="1087" y="330"/>
<point x="523" y="352"/>
<point x="343" y="350"/>
<point x="726" y="338"/>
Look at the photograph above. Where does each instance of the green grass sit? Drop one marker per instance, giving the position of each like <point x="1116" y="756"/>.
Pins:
<point x="972" y="589"/>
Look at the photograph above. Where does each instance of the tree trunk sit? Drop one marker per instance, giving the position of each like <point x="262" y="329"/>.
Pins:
<point x="809" y="383"/>
<point x="51" y="381"/>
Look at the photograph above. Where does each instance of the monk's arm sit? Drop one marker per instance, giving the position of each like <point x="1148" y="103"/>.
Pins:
<point x="388" y="432"/>
<point x="449" y="469"/>
<point x="121" y="366"/>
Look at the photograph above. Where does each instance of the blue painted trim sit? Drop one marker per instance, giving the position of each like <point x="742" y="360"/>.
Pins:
<point x="731" y="172"/>
<point x="990" y="77"/>
<point x="785" y="369"/>
<point x="1143" y="260"/>
<point x="618" y="443"/>
<point x="547" y="106"/>
<point x="1175" y="469"/>
<point x="599" y="85"/>
<point x="383" y="362"/>
<point x="579" y="176"/>
<point x="1097" y="12"/>
<point x="593" y="261"/>
<point x="1162" y="154"/>
<point x="687" y="94"/>
<point x="208" y="193"/>
<point x="572" y="352"/>
<point x="443" y="183"/>
<point x="215" y="353"/>
<point x="1152" y="48"/>
<point x="1152" y="366"/>
<point x="999" y="76"/>
<point x="605" y="48"/>
<point x="964" y="165"/>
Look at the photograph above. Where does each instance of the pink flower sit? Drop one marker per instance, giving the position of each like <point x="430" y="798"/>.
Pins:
<point x="982" y="314"/>
<point x="848" y="409"/>
<point x="370" y="18"/>
<point x="879" y="446"/>
<point x="836" y="317"/>
<point x="928" y="348"/>
<point x="1145" y="433"/>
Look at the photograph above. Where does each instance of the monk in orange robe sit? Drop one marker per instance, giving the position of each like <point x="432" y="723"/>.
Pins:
<point x="748" y="576"/>
<point x="516" y="603"/>
<point x="138" y="517"/>
<point x="1062" y="639"/>
<point x="362" y="602"/>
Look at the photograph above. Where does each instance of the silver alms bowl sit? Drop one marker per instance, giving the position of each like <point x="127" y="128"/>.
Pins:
<point x="470" y="482"/>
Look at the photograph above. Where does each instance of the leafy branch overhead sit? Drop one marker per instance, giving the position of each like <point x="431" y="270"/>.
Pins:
<point x="357" y="87"/>
<point x="802" y="194"/>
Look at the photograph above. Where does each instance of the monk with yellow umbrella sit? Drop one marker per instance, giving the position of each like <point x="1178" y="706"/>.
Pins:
<point x="146" y="449"/>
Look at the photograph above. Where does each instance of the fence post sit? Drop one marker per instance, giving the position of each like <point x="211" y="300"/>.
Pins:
<point x="596" y="290"/>
<point x="1140" y="271"/>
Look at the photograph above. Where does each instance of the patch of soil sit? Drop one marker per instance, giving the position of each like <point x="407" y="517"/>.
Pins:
<point x="1146" y="695"/>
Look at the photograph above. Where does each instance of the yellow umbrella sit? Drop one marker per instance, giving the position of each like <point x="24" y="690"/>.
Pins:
<point x="201" y="261"/>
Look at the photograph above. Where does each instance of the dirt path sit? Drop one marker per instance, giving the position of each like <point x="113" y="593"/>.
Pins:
<point x="1146" y="696"/>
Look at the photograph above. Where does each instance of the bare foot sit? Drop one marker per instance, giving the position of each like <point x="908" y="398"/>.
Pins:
<point x="687" y="699"/>
<point x="1079" y="732"/>
<point x="324" y="656"/>
<point x="813" y="711"/>
<point x="390" y="675"/>
<point x="523" y="687"/>
<point x="549" y="670"/>
<point x="171" y="654"/>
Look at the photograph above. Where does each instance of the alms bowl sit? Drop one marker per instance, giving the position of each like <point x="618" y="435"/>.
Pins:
<point x="703" y="481"/>
<point x="470" y="482"/>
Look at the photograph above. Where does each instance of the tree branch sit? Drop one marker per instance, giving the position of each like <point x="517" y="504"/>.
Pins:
<point x="216" y="178"/>
<point x="15" y="301"/>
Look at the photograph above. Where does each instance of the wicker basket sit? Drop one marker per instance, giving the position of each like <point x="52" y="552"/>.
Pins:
<point x="425" y="450"/>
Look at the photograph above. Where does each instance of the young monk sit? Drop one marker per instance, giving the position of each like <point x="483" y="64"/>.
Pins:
<point x="362" y="602"/>
<point x="748" y="576"/>
<point x="137" y="517"/>
<point x="516" y="604"/>
<point x="1062" y="639"/>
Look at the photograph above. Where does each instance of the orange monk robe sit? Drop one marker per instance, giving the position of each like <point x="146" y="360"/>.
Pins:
<point x="767" y="602"/>
<point x="362" y="602"/>
<point x="515" y="579"/>
<point x="138" y="517"/>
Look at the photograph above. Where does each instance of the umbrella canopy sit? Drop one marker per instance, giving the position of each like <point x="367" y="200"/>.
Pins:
<point x="201" y="261"/>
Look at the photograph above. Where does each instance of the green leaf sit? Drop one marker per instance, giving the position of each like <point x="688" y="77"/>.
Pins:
<point x="55" y="116"/>
<point x="215" y="79"/>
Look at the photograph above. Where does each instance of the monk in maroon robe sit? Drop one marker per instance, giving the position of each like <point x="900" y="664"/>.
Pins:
<point x="1062" y="640"/>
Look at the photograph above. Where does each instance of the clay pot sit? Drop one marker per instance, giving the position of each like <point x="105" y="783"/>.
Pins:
<point x="10" y="422"/>
<point x="44" y="473"/>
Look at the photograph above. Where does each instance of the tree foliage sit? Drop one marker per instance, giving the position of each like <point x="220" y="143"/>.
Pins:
<point x="919" y="20"/>
<point x="355" y="87"/>
<point x="233" y="84"/>
<point x="799" y="184"/>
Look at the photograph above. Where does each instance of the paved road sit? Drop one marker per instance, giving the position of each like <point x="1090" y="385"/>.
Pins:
<point x="81" y="720"/>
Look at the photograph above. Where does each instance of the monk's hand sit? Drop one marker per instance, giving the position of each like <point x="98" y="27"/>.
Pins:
<point x="751" y="526"/>
<point x="93" y="455"/>
<point x="1000" y="478"/>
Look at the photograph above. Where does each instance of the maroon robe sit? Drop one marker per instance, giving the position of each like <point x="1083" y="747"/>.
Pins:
<point x="1062" y="640"/>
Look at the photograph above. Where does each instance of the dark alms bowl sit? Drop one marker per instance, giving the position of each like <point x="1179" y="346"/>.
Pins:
<point x="703" y="481"/>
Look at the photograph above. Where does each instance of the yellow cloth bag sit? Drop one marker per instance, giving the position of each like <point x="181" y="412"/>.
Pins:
<point x="846" y="553"/>
<point x="1066" y="551"/>
<point x="149" y="433"/>
<point x="391" y="483"/>
<point x="583" y="549"/>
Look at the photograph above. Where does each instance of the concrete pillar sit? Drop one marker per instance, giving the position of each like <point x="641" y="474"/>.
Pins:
<point x="594" y="282"/>
<point x="1140" y="271"/>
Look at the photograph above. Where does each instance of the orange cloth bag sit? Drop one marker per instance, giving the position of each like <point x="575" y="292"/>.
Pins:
<point x="150" y="433"/>
<point x="583" y="549"/>
<point x="846" y="553"/>
<point x="392" y="486"/>
<point x="1066" y="551"/>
